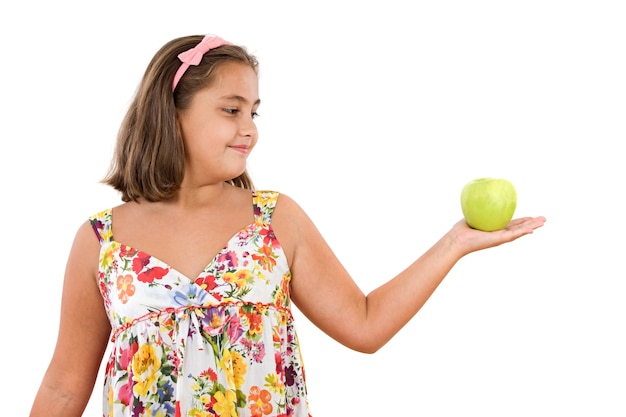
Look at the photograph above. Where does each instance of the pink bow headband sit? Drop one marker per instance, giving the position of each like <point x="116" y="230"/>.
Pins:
<point x="194" y="55"/>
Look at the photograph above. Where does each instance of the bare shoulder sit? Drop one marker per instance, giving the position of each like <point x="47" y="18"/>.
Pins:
<point x="282" y="219"/>
<point x="290" y="224"/>
<point x="86" y="248"/>
<point x="287" y="204"/>
<point x="86" y="235"/>
<point x="288" y="211"/>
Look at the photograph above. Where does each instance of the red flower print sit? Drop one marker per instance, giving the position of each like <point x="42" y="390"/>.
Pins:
<point x="260" y="402"/>
<point x="126" y="251"/>
<point x="269" y="238"/>
<point x="207" y="282"/>
<point x="140" y="262"/>
<point x="149" y="275"/>
<point x="256" y="323"/>
<point x="280" y="370"/>
<point x="209" y="406"/>
<point x="110" y="364"/>
<point x="209" y="373"/>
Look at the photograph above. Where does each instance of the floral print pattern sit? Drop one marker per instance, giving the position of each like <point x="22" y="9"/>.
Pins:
<point x="220" y="344"/>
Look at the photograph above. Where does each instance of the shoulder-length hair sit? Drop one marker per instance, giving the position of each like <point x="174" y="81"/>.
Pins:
<point x="149" y="157"/>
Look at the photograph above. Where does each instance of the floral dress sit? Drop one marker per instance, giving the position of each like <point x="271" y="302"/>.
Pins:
<point x="220" y="344"/>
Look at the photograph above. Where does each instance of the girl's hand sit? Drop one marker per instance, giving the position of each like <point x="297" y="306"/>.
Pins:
<point x="472" y="240"/>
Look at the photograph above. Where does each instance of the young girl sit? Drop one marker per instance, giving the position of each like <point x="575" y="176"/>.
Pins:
<point x="191" y="279"/>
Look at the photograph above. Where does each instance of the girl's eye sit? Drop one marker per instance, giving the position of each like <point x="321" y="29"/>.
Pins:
<point x="234" y="112"/>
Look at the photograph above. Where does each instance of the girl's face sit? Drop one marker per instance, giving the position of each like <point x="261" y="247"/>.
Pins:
<point x="218" y="128"/>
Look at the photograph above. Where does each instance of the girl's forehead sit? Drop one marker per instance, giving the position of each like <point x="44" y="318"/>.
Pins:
<point x="232" y="81"/>
<point x="235" y="78"/>
<point x="235" y="73"/>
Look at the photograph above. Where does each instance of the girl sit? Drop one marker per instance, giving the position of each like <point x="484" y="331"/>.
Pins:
<point x="192" y="277"/>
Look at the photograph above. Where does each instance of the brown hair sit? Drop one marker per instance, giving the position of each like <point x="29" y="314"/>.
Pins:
<point x="149" y="156"/>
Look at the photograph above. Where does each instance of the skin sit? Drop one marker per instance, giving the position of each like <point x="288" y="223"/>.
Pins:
<point x="219" y="133"/>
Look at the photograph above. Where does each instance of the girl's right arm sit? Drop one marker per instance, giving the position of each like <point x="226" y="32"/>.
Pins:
<point x="83" y="334"/>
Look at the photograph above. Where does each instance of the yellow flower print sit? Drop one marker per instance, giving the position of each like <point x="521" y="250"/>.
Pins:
<point x="284" y="283"/>
<point x="110" y="397"/>
<point x="279" y="298"/>
<point x="225" y="404"/>
<point x="239" y="278"/>
<point x="235" y="368"/>
<point x="216" y="321"/>
<point x="239" y="368"/>
<point x="146" y="368"/>
<point x="283" y="317"/>
<point x="105" y="232"/>
<point x="259" y="275"/>
<point x="274" y="384"/>
<point x="107" y="255"/>
<point x="263" y="200"/>
<point x="196" y="412"/>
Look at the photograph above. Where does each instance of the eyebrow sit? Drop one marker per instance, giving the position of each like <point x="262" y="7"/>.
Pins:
<point x="241" y="99"/>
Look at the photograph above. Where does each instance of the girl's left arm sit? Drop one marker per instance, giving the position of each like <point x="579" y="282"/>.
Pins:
<point x="326" y="294"/>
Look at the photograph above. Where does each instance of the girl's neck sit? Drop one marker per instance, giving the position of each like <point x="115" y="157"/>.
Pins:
<point x="191" y="198"/>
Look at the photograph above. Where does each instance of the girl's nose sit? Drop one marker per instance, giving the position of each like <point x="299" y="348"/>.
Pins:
<point x="248" y="127"/>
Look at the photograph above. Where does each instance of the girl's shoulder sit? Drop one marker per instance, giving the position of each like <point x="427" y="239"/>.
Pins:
<point x="289" y="217"/>
<point x="285" y="205"/>
<point x="102" y="221"/>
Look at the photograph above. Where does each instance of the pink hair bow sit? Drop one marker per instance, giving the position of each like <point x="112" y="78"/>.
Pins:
<point x="194" y="55"/>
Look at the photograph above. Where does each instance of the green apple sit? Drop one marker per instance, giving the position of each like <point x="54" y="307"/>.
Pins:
<point x="488" y="204"/>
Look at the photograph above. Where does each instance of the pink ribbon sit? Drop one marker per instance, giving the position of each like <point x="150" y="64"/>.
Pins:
<point x="194" y="55"/>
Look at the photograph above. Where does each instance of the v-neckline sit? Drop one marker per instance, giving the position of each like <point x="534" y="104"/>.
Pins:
<point x="256" y="220"/>
<point x="212" y="261"/>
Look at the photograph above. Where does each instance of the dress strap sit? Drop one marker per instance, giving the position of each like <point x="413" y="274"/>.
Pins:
<point x="102" y="225"/>
<point x="264" y="203"/>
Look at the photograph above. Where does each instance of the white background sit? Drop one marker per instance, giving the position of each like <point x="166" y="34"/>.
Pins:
<point x="374" y="115"/>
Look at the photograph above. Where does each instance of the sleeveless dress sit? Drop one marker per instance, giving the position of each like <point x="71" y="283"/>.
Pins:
<point x="220" y="344"/>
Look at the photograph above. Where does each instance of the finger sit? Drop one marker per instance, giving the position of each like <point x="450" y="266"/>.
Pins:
<point x="526" y="224"/>
<point x="518" y="221"/>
